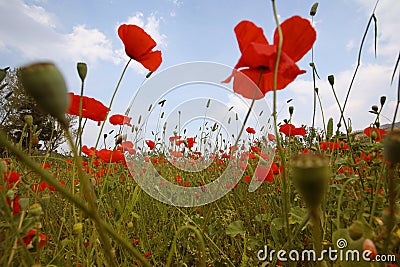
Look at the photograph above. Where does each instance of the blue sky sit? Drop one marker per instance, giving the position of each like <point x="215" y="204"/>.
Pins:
<point x="70" y="31"/>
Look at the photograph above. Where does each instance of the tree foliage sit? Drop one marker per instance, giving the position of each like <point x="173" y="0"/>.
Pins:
<point x="16" y="108"/>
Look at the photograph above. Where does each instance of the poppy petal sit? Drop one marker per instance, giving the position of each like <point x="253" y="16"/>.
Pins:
<point x="298" y="37"/>
<point x="247" y="32"/>
<point x="138" y="45"/>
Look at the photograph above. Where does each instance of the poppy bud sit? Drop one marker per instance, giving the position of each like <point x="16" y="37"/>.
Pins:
<point x="375" y="108"/>
<point x="3" y="74"/>
<point x="316" y="90"/>
<point x="310" y="176"/>
<point x="28" y="119"/>
<point x="391" y="146"/>
<point x="45" y="83"/>
<point x="130" y="225"/>
<point x="3" y="167"/>
<point x="350" y="129"/>
<point x="82" y="70"/>
<point x="383" y="100"/>
<point x="331" y="80"/>
<point x="356" y="230"/>
<point x="291" y="109"/>
<point x="313" y="10"/>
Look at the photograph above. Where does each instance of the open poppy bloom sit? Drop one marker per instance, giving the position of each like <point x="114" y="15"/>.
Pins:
<point x="110" y="156"/>
<point x="150" y="144"/>
<point x="290" y="130"/>
<point x="91" y="108"/>
<point x="376" y="133"/>
<point x="250" y="130"/>
<point x="139" y="46"/>
<point x="118" y="119"/>
<point x="259" y="57"/>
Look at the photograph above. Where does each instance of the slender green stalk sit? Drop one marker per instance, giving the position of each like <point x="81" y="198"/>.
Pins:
<point x="340" y="201"/>
<point x="200" y="238"/>
<point x="285" y="183"/>
<point x="111" y="102"/>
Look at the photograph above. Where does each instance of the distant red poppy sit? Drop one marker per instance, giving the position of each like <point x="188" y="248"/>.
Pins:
<point x="259" y="57"/>
<point x="118" y="119"/>
<point x="31" y="234"/>
<point x="91" y="108"/>
<point x="263" y="174"/>
<point x="150" y="144"/>
<point x="190" y="142"/>
<point x="375" y="132"/>
<point x="14" y="204"/>
<point x="128" y="146"/>
<point x="110" y="155"/>
<point x="250" y="130"/>
<point x="290" y="130"/>
<point x="139" y="45"/>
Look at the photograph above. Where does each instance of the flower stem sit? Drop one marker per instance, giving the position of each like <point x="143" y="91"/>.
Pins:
<point x="285" y="184"/>
<point x="111" y="102"/>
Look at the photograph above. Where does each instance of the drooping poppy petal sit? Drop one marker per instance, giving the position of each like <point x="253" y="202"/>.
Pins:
<point x="247" y="32"/>
<point x="138" y="46"/>
<point x="298" y="37"/>
<point x="118" y="119"/>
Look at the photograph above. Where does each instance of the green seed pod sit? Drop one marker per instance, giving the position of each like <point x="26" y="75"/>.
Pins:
<point x="329" y="130"/>
<point x="313" y="10"/>
<point x="36" y="210"/>
<point x="391" y="146"/>
<point x="331" y="80"/>
<point x="45" y="83"/>
<point x="356" y="230"/>
<point x="82" y="70"/>
<point x="28" y="120"/>
<point x="77" y="228"/>
<point x="310" y="176"/>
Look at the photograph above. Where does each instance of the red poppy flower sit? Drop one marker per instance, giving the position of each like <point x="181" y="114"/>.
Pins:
<point x="139" y="45"/>
<point x="118" y="119"/>
<point x="128" y="146"/>
<point x="375" y="132"/>
<point x="250" y="130"/>
<point x="88" y="151"/>
<point x="91" y="108"/>
<point x="150" y="144"/>
<point x="14" y="204"/>
<point x="259" y="57"/>
<point x="110" y="155"/>
<point x="11" y="177"/>
<point x="290" y="130"/>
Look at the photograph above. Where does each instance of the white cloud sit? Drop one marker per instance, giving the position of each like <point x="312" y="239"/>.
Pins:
<point x="151" y="25"/>
<point x="350" y="45"/>
<point x="32" y="32"/>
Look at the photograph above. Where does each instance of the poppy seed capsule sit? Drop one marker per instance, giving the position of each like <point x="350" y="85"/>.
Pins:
<point x="45" y="83"/>
<point x="28" y="120"/>
<point x="310" y="177"/>
<point x="391" y="146"/>
<point x="82" y="70"/>
<point x="375" y="108"/>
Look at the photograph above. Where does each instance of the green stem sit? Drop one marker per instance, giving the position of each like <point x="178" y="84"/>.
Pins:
<point x="111" y="102"/>
<point x="200" y="238"/>
<point x="285" y="185"/>
<point x="340" y="202"/>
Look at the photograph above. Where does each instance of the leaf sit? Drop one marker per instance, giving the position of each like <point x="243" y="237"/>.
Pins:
<point x="263" y="217"/>
<point x="275" y="227"/>
<point x="297" y="215"/>
<point x="236" y="228"/>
